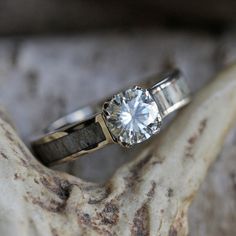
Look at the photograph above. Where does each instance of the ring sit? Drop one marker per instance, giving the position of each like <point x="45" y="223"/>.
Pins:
<point x="128" y="118"/>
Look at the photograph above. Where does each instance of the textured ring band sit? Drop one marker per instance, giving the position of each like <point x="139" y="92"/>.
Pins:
<point x="128" y="118"/>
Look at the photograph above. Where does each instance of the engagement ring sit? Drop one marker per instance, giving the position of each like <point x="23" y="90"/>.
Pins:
<point x="128" y="118"/>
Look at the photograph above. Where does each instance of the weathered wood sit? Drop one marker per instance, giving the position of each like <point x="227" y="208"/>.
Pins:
<point x="213" y="210"/>
<point x="77" y="139"/>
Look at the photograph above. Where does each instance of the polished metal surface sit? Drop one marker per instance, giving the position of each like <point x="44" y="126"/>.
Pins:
<point x="171" y="93"/>
<point x="85" y="130"/>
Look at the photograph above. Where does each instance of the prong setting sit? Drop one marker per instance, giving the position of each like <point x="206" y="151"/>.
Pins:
<point x="132" y="116"/>
<point x="137" y="87"/>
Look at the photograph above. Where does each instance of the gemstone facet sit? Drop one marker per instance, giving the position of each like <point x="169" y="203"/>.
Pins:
<point x="132" y="116"/>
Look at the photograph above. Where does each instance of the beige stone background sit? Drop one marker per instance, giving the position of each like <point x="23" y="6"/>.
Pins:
<point x="45" y="76"/>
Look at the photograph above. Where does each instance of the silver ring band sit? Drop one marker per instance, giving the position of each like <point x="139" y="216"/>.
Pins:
<point x="93" y="127"/>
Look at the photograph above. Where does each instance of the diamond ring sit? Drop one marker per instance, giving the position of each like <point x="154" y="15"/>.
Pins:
<point x="128" y="118"/>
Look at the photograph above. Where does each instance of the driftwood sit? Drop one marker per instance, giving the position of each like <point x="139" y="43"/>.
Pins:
<point x="148" y="196"/>
<point x="213" y="209"/>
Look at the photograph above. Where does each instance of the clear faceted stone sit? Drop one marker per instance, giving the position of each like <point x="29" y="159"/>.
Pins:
<point x="132" y="116"/>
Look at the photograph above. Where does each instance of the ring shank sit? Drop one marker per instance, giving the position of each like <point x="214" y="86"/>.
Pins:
<point x="171" y="93"/>
<point x="72" y="118"/>
<point x="69" y="143"/>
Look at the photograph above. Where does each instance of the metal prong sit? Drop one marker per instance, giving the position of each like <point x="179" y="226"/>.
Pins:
<point x="126" y="145"/>
<point x="106" y="104"/>
<point x="137" y="87"/>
